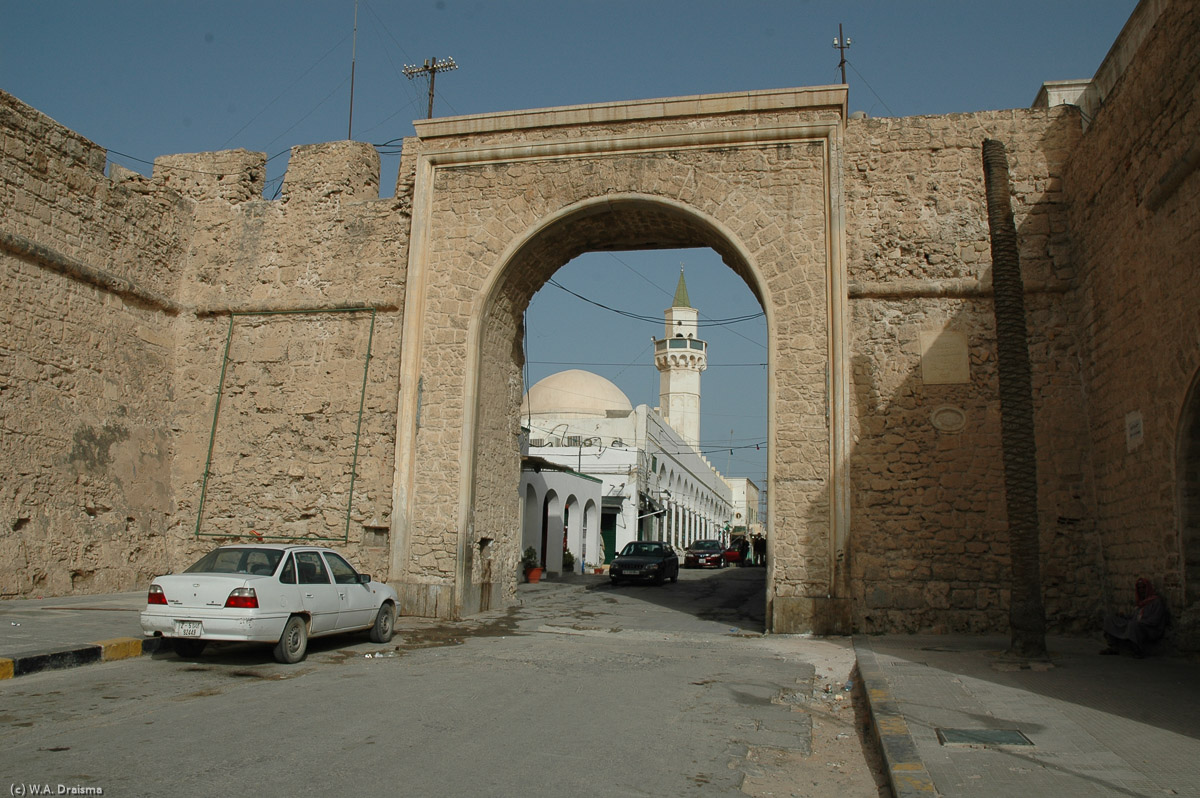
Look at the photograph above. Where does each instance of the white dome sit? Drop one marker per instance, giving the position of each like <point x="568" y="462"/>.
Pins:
<point x="575" y="393"/>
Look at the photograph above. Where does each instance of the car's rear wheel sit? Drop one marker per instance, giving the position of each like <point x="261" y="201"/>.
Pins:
<point x="189" y="648"/>
<point x="385" y="622"/>
<point x="293" y="644"/>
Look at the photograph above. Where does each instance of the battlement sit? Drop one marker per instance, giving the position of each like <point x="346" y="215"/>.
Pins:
<point x="231" y="175"/>
<point x="342" y="170"/>
<point x="335" y="170"/>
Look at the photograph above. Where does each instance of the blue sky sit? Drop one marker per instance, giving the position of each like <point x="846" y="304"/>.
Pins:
<point x="151" y="78"/>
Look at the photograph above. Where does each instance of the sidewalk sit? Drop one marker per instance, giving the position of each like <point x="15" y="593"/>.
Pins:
<point x="38" y="634"/>
<point x="949" y="712"/>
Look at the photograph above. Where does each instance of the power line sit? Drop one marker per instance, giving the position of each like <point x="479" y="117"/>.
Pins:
<point x="183" y="168"/>
<point x="301" y="77"/>
<point x="868" y="85"/>
<point x="654" y="319"/>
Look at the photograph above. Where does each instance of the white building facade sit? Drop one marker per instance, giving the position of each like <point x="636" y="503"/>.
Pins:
<point x="745" y="506"/>
<point x="559" y="505"/>
<point x="655" y="484"/>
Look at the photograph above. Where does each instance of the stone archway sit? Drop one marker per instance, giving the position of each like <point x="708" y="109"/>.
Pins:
<point x="501" y="203"/>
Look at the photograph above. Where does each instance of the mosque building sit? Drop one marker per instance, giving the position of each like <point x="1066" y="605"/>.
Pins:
<point x="653" y="481"/>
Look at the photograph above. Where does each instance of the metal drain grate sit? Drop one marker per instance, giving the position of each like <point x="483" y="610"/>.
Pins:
<point x="984" y="737"/>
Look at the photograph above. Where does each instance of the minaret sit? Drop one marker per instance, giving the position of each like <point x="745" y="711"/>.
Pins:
<point x="680" y="357"/>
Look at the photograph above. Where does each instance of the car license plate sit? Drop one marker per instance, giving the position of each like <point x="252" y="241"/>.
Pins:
<point x="188" y="629"/>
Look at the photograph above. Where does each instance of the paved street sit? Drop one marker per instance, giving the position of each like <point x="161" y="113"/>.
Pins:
<point x="583" y="689"/>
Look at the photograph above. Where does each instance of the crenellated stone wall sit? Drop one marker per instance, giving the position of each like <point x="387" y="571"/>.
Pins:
<point x="296" y="290"/>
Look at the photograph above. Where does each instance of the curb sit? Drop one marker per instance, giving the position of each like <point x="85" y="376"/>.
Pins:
<point x="905" y="769"/>
<point x="75" y="656"/>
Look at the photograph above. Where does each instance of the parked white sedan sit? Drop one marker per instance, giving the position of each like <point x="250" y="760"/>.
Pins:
<point x="267" y="594"/>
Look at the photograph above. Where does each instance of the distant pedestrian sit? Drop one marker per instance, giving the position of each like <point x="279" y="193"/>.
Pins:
<point x="1139" y="631"/>
<point x="760" y="550"/>
<point x="743" y="551"/>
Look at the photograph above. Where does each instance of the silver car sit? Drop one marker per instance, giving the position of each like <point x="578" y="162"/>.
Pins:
<point x="261" y="593"/>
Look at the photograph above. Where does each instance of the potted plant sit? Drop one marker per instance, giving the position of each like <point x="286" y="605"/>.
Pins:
<point x="568" y="561"/>
<point x="532" y="566"/>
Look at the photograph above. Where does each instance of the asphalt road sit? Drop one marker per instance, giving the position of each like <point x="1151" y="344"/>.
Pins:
<point x="581" y="690"/>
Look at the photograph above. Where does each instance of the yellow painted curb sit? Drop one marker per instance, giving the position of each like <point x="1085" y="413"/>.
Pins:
<point x="6" y="668"/>
<point x="119" y="648"/>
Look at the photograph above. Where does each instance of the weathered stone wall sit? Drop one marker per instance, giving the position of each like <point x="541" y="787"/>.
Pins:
<point x="289" y="286"/>
<point x="1135" y="222"/>
<point x="121" y="295"/>
<point x="930" y="548"/>
<point x="87" y="269"/>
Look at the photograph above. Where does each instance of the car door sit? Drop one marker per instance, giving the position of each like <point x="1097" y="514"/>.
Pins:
<point x="357" y="604"/>
<point x="317" y="593"/>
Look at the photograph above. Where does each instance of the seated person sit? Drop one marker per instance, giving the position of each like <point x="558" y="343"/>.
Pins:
<point x="1140" y="630"/>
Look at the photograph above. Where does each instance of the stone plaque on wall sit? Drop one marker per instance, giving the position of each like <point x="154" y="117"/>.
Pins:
<point x="944" y="359"/>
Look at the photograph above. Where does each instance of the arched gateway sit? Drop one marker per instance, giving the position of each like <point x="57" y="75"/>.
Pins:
<point x="501" y="201"/>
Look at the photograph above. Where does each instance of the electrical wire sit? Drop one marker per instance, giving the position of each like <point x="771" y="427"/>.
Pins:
<point x="292" y="85"/>
<point x="654" y="319"/>
<point x="184" y="168"/>
<point x="868" y="85"/>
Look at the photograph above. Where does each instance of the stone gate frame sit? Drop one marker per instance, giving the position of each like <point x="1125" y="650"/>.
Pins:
<point x="501" y="201"/>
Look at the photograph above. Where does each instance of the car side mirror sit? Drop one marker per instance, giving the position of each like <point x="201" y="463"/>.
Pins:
<point x="363" y="579"/>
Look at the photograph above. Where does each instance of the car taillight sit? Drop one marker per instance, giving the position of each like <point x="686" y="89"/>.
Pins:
<point x="156" y="595"/>
<point x="243" y="598"/>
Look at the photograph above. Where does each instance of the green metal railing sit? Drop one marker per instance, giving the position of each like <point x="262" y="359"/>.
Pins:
<point x="212" y="437"/>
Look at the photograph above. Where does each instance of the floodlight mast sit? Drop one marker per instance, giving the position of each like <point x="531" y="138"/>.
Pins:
<point x="841" y="43"/>
<point x="432" y="67"/>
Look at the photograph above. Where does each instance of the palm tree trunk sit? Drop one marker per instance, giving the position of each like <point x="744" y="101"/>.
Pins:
<point x="1026" y="615"/>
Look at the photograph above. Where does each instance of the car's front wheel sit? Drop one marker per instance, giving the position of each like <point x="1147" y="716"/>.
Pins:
<point x="189" y="648"/>
<point x="385" y="623"/>
<point x="293" y="644"/>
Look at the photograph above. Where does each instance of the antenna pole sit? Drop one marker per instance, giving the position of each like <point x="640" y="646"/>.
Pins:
<point x="353" y="58"/>
<point x="841" y="43"/>
<point x="432" y="67"/>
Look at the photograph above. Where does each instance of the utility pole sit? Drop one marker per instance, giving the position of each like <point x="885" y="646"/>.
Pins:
<point x="432" y="66"/>
<point x="841" y="43"/>
<point x="353" y="58"/>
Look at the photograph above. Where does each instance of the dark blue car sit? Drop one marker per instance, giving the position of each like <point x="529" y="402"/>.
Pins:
<point x="645" y="560"/>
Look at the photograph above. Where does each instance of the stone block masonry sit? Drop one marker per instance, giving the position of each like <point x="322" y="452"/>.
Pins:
<point x="117" y="299"/>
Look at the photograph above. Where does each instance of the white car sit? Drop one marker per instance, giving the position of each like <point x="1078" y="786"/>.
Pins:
<point x="267" y="594"/>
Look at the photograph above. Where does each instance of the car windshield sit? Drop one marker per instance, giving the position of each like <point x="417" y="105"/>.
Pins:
<point x="642" y="549"/>
<point x="706" y="545"/>
<point x="238" y="561"/>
